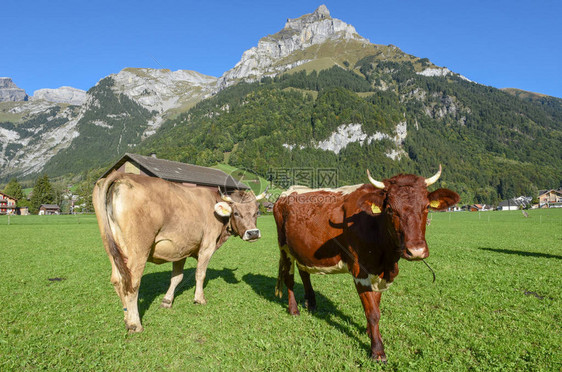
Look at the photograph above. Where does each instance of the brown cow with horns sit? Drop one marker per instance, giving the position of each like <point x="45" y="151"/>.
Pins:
<point x="361" y="229"/>
<point x="136" y="227"/>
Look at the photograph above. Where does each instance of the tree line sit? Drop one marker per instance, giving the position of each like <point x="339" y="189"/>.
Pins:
<point x="45" y="191"/>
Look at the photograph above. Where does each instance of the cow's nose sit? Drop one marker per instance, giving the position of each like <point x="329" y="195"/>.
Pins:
<point x="251" y="235"/>
<point x="417" y="253"/>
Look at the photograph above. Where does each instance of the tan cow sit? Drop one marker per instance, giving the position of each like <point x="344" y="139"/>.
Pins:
<point x="149" y="219"/>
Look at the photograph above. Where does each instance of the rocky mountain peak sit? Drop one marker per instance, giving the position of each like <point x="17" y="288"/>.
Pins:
<point x="267" y="59"/>
<point x="6" y="82"/>
<point x="298" y="23"/>
<point x="10" y="91"/>
<point x="315" y="28"/>
<point x="68" y="95"/>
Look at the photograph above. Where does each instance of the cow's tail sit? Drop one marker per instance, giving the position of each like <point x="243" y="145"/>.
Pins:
<point x="283" y="269"/>
<point x="101" y="199"/>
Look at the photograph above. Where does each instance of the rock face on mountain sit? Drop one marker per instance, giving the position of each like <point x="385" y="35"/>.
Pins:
<point x="128" y="106"/>
<point x="353" y="133"/>
<point x="68" y="95"/>
<point x="163" y="90"/>
<point x="10" y="91"/>
<point x="267" y="59"/>
<point x="38" y="130"/>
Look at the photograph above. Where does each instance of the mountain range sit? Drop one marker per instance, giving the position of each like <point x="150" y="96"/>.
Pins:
<point x="315" y="94"/>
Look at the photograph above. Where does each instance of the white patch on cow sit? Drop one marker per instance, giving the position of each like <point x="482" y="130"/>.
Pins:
<point x="223" y="209"/>
<point x="247" y="235"/>
<point x="365" y="282"/>
<point x="344" y="190"/>
<point x="376" y="283"/>
<point x="339" y="268"/>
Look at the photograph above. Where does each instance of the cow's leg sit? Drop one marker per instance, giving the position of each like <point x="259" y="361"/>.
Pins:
<point x="286" y="273"/>
<point x="200" y="273"/>
<point x="130" y="298"/>
<point x="177" y="277"/>
<point x="371" y="301"/>
<point x="309" y="295"/>
<point x="124" y="295"/>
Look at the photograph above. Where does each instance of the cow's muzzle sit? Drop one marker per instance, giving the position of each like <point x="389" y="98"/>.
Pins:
<point x="252" y="235"/>
<point x="415" y="254"/>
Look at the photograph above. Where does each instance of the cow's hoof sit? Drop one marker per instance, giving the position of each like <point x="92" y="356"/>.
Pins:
<point x="379" y="358"/>
<point x="310" y="306"/>
<point x="200" y="302"/>
<point x="134" y="328"/>
<point x="294" y="311"/>
<point x="166" y="303"/>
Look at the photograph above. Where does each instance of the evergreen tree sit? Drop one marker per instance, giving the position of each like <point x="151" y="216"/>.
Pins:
<point x="13" y="189"/>
<point x="42" y="193"/>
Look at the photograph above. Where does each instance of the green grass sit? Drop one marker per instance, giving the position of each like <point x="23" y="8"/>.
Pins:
<point x="494" y="306"/>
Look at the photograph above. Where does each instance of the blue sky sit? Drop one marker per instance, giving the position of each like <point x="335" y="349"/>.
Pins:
<point x="48" y="44"/>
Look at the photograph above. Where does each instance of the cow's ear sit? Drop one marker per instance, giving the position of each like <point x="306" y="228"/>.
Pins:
<point x="223" y="209"/>
<point x="441" y="199"/>
<point x="371" y="203"/>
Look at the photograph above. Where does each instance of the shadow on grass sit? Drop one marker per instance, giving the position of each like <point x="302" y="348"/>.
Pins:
<point x="156" y="284"/>
<point x="522" y="253"/>
<point x="326" y="310"/>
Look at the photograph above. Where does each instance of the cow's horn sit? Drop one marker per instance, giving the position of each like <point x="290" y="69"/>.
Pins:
<point x="226" y="198"/>
<point x="432" y="180"/>
<point x="377" y="184"/>
<point x="262" y="195"/>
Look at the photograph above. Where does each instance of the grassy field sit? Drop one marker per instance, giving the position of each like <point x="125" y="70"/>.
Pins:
<point x="494" y="306"/>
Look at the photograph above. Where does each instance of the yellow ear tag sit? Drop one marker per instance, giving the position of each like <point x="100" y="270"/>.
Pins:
<point x="375" y="208"/>
<point x="434" y="204"/>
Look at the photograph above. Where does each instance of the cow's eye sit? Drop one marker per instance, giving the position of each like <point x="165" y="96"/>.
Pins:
<point x="236" y="214"/>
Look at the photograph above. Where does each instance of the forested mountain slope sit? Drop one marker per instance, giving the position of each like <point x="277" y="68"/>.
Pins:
<point x="492" y="144"/>
<point x="110" y="123"/>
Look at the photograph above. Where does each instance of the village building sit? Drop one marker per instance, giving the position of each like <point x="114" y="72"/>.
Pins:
<point x="186" y="174"/>
<point x="550" y="198"/>
<point x="49" y="209"/>
<point x="477" y="207"/>
<point x="513" y="204"/>
<point x="7" y="204"/>
<point x="508" y="205"/>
